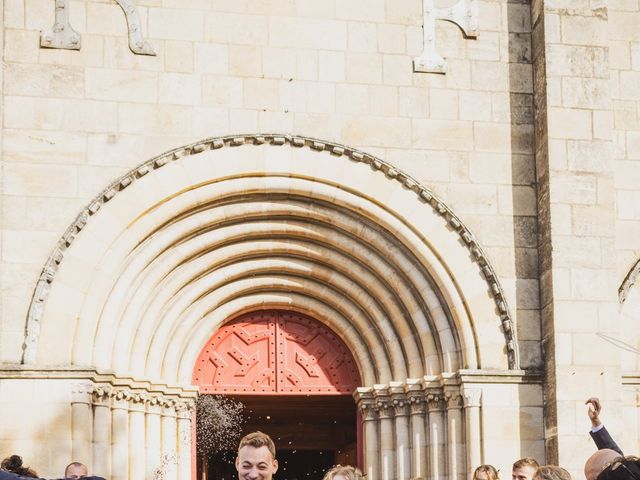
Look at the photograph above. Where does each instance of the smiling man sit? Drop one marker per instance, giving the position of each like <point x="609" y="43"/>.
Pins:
<point x="256" y="457"/>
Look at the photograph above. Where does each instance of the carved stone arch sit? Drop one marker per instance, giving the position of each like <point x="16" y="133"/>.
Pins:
<point x="629" y="281"/>
<point x="408" y="296"/>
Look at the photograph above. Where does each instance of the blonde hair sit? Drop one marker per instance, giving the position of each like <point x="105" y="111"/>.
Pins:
<point x="490" y="470"/>
<point x="347" y="471"/>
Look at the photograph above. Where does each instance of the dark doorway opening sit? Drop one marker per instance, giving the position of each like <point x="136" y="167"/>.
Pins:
<point x="311" y="433"/>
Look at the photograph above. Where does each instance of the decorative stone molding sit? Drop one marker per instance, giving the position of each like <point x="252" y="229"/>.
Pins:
<point x="137" y="43"/>
<point x="366" y="404"/>
<point x="454" y="400"/>
<point x="399" y="399"/>
<point x="471" y="397"/>
<point x="435" y="402"/>
<point x="464" y="14"/>
<point x="422" y="194"/>
<point x="629" y="281"/>
<point x="61" y="34"/>
<point x="383" y="404"/>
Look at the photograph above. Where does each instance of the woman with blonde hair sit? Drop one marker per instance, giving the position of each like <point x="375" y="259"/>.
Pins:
<point x="346" y="472"/>
<point x="486" y="472"/>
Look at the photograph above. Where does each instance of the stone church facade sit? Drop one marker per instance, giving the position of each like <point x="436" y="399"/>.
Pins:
<point x="446" y="195"/>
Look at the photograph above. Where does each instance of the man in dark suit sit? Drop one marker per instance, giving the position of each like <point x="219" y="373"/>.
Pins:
<point x="598" y="431"/>
<point x="608" y="450"/>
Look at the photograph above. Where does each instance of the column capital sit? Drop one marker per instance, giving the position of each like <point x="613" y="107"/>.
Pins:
<point x="472" y="397"/>
<point x="435" y="401"/>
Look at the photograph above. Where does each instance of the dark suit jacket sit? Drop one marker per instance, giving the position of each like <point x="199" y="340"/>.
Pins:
<point x="603" y="440"/>
<point x="14" y="476"/>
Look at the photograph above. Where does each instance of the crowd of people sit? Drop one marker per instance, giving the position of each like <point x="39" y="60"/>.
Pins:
<point x="256" y="460"/>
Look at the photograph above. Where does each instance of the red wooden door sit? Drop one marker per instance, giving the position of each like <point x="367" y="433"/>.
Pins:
<point x="276" y="352"/>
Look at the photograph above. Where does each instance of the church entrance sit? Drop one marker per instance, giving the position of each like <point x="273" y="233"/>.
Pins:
<point x="294" y="378"/>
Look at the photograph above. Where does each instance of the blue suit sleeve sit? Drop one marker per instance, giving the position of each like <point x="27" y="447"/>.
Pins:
<point x="603" y="440"/>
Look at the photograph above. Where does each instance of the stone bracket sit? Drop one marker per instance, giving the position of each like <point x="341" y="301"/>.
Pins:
<point x="137" y="43"/>
<point x="61" y="34"/>
<point x="464" y="14"/>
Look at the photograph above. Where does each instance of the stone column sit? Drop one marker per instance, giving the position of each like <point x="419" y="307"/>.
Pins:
<point x="401" y="413"/>
<point x="169" y="441"/>
<point x="437" y="452"/>
<point x="385" y="415"/>
<point x="366" y="406"/>
<point x="81" y="424"/>
<point x="456" y="454"/>
<point x="184" y="411"/>
<point x="101" y="433"/>
<point x="473" y="439"/>
<point x="153" y="454"/>
<point x="137" y="467"/>
<point x="575" y="163"/>
<point x="416" y="399"/>
<point x="120" y="436"/>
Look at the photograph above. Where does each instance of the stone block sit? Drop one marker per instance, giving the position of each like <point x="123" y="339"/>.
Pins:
<point x="585" y="93"/>
<point x="307" y="64"/>
<point x="245" y="61"/>
<point x="579" y="30"/>
<point x="489" y="76"/>
<point x="376" y="131"/>
<point x="178" y="57"/>
<point x="176" y="24"/>
<point x="364" y="67"/>
<point x="574" y="60"/>
<point x="635" y="56"/>
<point x="404" y="12"/>
<point x="115" y="150"/>
<point x="38" y="14"/>
<point x="603" y="124"/>
<point x="210" y="121"/>
<point x="293" y="96"/>
<point x="90" y="116"/>
<point x="413" y="102"/>
<point x="622" y="25"/>
<point x="573" y="189"/>
<point x="475" y="105"/>
<point x="590" y="284"/>
<point x="179" y="89"/>
<point x="40" y="146"/>
<point x="312" y="8"/>
<point x="92" y="179"/>
<point x="21" y="46"/>
<point x="231" y="28"/>
<point x="33" y="113"/>
<point x="625" y="116"/>
<point x="592" y="220"/>
<point x="619" y="55"/>
<point x="629" y="81"/>
<point x="331" y="66"/>
<point x="392" y="38"/>
<point x="361" y="10"/>
<point x="442" y="134"/>
<point x="325" y="126"/>
<point x="261" y="93"/>
<point x="384" y="100"/>
<point x="473" y="199"/>
<point x="243" y="120"/>
<point x="211" y="58"/>
<point x="363" y="37"/>
<point x="321" y="97"/>
<point x="121" y="85"/>
<point x="444" y="104"/>
<point x="569" y="123"/>
<point x="105" y="19"/>
<point x="492" y="137"/>
<point x="589" y="156"/>
<point x="275" y="122"/>
<point x="313" y="33"/>
<point x="628" y="204"/>
<point x="397" y="70"/>
<point x="137" y="118"/>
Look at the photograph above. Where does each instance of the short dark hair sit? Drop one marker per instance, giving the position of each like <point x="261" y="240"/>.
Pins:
<point x="257" y="440"/>
<point x="554" y="472"/>
<point x="622" y="468"/>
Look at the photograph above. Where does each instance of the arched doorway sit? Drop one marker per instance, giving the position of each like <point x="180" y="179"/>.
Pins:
<point x="295" y="378"/>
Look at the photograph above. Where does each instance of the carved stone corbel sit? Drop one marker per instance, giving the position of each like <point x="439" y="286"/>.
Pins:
<point x="464" y="14"/>
<point x="61" y="34"/>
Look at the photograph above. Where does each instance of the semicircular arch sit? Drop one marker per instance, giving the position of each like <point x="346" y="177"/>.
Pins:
<point x="201" y="233"/>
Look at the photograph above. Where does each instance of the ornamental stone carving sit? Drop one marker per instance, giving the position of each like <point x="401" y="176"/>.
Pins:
<point x="464" y="14"/>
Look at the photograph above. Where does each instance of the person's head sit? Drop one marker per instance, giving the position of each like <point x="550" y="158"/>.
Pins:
<point x="346" y="472"/>
<point x="553" y="472"/>
<point x="256" y="458"/>
<point x="607" y="466"/>
<point x="14" y="464"/>
<point x="485" y="472"/>
<point x="75" y="470"/>
<point x="525" y="469"/>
